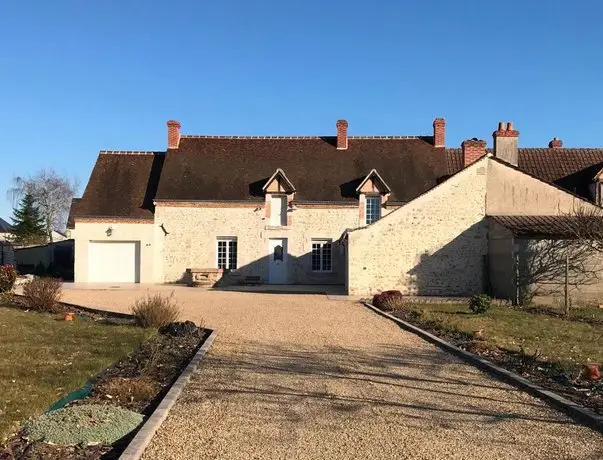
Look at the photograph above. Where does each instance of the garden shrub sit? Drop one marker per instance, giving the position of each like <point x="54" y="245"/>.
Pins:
<point x="43" y="294"/>
<point x="8" y="276"/>
<point x="388" y="300"/>
<point x="156" y="310"/>
<point x="480" y="303"/>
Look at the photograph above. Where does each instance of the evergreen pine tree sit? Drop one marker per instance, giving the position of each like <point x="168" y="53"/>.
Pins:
<point x="28" y="224"/>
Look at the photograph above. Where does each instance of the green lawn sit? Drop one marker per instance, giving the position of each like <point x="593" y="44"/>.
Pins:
<point x="43" y="358"/>
<point x="570" y="343"/>
<point x="592" y="314"/>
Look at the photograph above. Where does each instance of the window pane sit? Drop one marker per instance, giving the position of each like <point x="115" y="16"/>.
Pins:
<point x="232" y="255"/>
<point x="222" y="254"/>
<point x="326" y="257"/>
<point x="321" y="256"/>
<point x="373" y="209"/>
<point x="315" y="257"/>
<point x="227" y="253"/>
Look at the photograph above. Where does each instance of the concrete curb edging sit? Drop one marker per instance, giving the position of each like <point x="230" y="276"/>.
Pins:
<point x="582" y="414"/>
<point x="142" y="439"/>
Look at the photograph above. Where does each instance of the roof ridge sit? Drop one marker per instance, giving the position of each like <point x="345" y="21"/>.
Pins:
<point x="560" y="148"/>
<point x="129" y="152"/>
<point x="194" y="136"/>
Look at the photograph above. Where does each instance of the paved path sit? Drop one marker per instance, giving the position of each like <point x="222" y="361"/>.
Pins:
<point x="304" y="377"/>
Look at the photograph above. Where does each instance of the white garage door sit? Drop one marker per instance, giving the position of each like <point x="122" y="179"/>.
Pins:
<point x="115" y="261"/>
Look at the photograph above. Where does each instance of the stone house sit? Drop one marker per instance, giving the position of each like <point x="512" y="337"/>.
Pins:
<point x="366" y="212"/>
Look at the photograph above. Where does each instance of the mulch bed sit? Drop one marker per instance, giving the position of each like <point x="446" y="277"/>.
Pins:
<point x="90" y="313"/>
<point x="548" y="375"/>
<point x="137" y="382"/>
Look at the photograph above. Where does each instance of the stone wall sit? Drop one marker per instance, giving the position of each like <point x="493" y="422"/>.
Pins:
<point x="194" y="230"/>
<point x="434" y="245"/>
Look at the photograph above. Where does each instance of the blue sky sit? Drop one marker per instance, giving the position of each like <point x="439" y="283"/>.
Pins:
<point x="78" y="77"/>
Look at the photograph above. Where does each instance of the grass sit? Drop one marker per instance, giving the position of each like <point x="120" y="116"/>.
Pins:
<point x="568" y="343"/>
<point x="43" y="358"/>
<point x="593" y="314"/>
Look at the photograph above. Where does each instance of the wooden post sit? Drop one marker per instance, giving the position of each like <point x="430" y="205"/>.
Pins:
<point x="567" y="308"/>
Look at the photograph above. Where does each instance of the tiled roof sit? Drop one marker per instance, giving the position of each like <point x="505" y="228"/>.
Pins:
<point x="121" y="185"/>
<point x="233" y="169"/>
<point x="534" y="225"/>
<point x="571" y="169"/>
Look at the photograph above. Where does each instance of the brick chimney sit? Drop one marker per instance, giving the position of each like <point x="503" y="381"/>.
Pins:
<point x="439" y="132"/>
<point x="555" y="143"/>
<point x="342" y="134"/>
<point x="173" y="134"/>
<point x="505" y="143"/>
<point x="473" y="149"/>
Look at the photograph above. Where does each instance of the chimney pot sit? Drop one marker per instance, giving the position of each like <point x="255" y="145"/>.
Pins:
<point x="555" y="143"/>
<point x="510" y="126"/>
<point x="439" y="132"/>
<point x="342" y="134"/>
<point x="501" y="126"/>
<point x="173" y="134"/>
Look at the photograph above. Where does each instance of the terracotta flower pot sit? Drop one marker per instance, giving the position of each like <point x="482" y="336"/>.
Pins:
<point x="68" y="317"/>
<point x="591" y="371"/>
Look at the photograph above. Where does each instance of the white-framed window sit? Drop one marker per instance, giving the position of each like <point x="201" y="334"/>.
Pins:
<point x="227" y="253"/>
<point x="322" y="255"/>
<point x="278" y="210"/>
<point x="373" y="209"/>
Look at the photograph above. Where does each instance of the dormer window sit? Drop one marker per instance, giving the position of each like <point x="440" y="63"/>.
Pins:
<point x="279" y="193"/>
<point x="373" y="192"/>
<point x="373" y="209"/>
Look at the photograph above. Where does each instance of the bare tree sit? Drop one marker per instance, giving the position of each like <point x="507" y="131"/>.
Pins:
<point x="553" y="266"/>
<point x="52" y="194"/>
<point x="570" y="257"/>
<point x="584" y="224"/>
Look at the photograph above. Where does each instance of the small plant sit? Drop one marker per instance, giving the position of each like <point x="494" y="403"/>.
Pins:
<point x="388" y="300"/>
<point x="8" y="277"/>
<point x="124" y="391"/>
<point x="480" y="303"/>
<point x="156" y="310"/>
<point x="43" y="294"/>
<point x="527" y="361"/>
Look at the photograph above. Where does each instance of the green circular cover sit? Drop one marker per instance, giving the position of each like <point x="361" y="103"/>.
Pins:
<point x="85" y="424"/>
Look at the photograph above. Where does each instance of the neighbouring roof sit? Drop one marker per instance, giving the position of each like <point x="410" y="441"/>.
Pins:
<point x="542" y="226"/>
<point x="5" y="227"/>
<point x="122" y="184"/>
<point x="571" y="169"/>
<point x="234" y="169"/>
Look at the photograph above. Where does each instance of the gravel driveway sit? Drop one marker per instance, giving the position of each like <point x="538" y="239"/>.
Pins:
<point x="304" y="377"/>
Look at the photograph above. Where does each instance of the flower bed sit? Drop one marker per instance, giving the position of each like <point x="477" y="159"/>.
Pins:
<point x="551" y="352"/>
<point x="135" y="383"/>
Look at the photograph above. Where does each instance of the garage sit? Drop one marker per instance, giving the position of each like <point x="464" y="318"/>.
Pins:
<point x="115" y="261"/>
